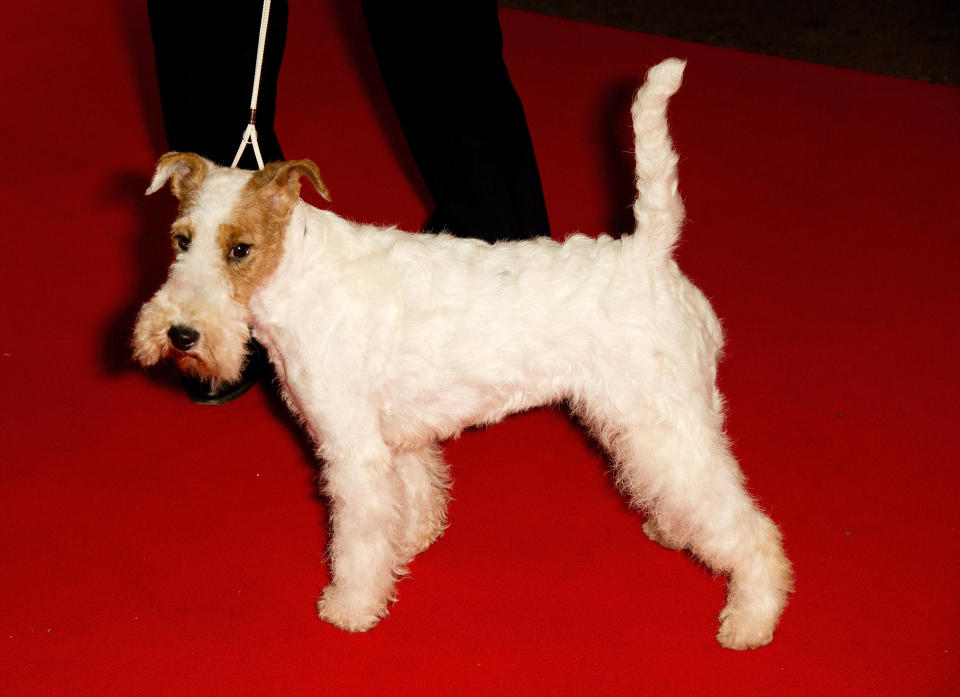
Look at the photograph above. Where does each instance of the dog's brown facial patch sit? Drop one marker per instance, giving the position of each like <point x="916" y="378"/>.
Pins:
<point x="251" y="246"/>
<point x="251" y="240"/>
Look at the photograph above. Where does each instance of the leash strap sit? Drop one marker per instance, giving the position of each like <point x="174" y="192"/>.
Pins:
<point x="250" y="133"/>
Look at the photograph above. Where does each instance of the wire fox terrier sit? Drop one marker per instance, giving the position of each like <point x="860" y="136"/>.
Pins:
<point x="387" y="343"/>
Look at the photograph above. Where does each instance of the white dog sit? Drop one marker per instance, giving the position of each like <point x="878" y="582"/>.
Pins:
<point x="387" y="343"/>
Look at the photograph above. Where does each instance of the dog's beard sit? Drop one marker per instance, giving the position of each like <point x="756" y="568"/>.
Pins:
<point x="219" y="356"/>
<point x="205" y="366"/>
<point x="193" y="365"/>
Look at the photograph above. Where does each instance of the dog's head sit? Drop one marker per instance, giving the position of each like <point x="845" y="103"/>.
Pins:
<point x="227" y="240"/>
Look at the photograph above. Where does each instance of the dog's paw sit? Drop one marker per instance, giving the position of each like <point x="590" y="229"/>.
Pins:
<point x="349" y="611"/>
<point x="740" y="629"/>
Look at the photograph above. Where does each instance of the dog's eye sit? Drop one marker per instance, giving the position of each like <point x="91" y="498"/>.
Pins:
<point x="239" y="251"/>
<point x="181" y="242"/>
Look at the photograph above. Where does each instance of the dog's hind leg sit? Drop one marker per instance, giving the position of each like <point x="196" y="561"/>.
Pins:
<point x="426" y="482"/>
<point x="679" y="469"/>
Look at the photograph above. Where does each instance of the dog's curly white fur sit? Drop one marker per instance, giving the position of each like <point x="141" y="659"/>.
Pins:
<point x="387" y="343"/>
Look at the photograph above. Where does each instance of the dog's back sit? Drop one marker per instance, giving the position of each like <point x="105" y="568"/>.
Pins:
<point x="461" y="331"/>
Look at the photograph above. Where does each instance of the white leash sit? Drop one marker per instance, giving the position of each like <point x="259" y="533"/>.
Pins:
<point x="250" y="133"/>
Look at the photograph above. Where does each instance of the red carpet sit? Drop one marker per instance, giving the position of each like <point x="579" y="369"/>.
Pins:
<point x="150" y="547"/>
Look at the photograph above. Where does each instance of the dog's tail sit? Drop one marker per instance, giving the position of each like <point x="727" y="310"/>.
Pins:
<point x="658" y="209"/>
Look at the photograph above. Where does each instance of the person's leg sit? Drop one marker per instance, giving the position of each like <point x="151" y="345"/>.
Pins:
<point x="206" y="54"/>
<point x="443" y="68"/>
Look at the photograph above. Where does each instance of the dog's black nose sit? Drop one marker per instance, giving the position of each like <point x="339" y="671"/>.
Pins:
<point x="183" y="337"/>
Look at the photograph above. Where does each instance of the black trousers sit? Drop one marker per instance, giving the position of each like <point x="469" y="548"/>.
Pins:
<point x="206" y="54"/>
<point x="442" y="65"/>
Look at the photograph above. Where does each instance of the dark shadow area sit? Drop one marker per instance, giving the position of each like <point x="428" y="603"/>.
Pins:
<point x="618" y="165"/>
<point x="917" y="39"/>
<point x="150" y="256"/>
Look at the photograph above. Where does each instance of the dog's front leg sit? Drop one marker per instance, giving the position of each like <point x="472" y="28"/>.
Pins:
<point x="365" y="521"/>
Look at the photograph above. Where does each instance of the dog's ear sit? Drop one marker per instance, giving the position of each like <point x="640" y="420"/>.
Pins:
<point x="286" y="175"/>
<point x="184" y="171"/>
